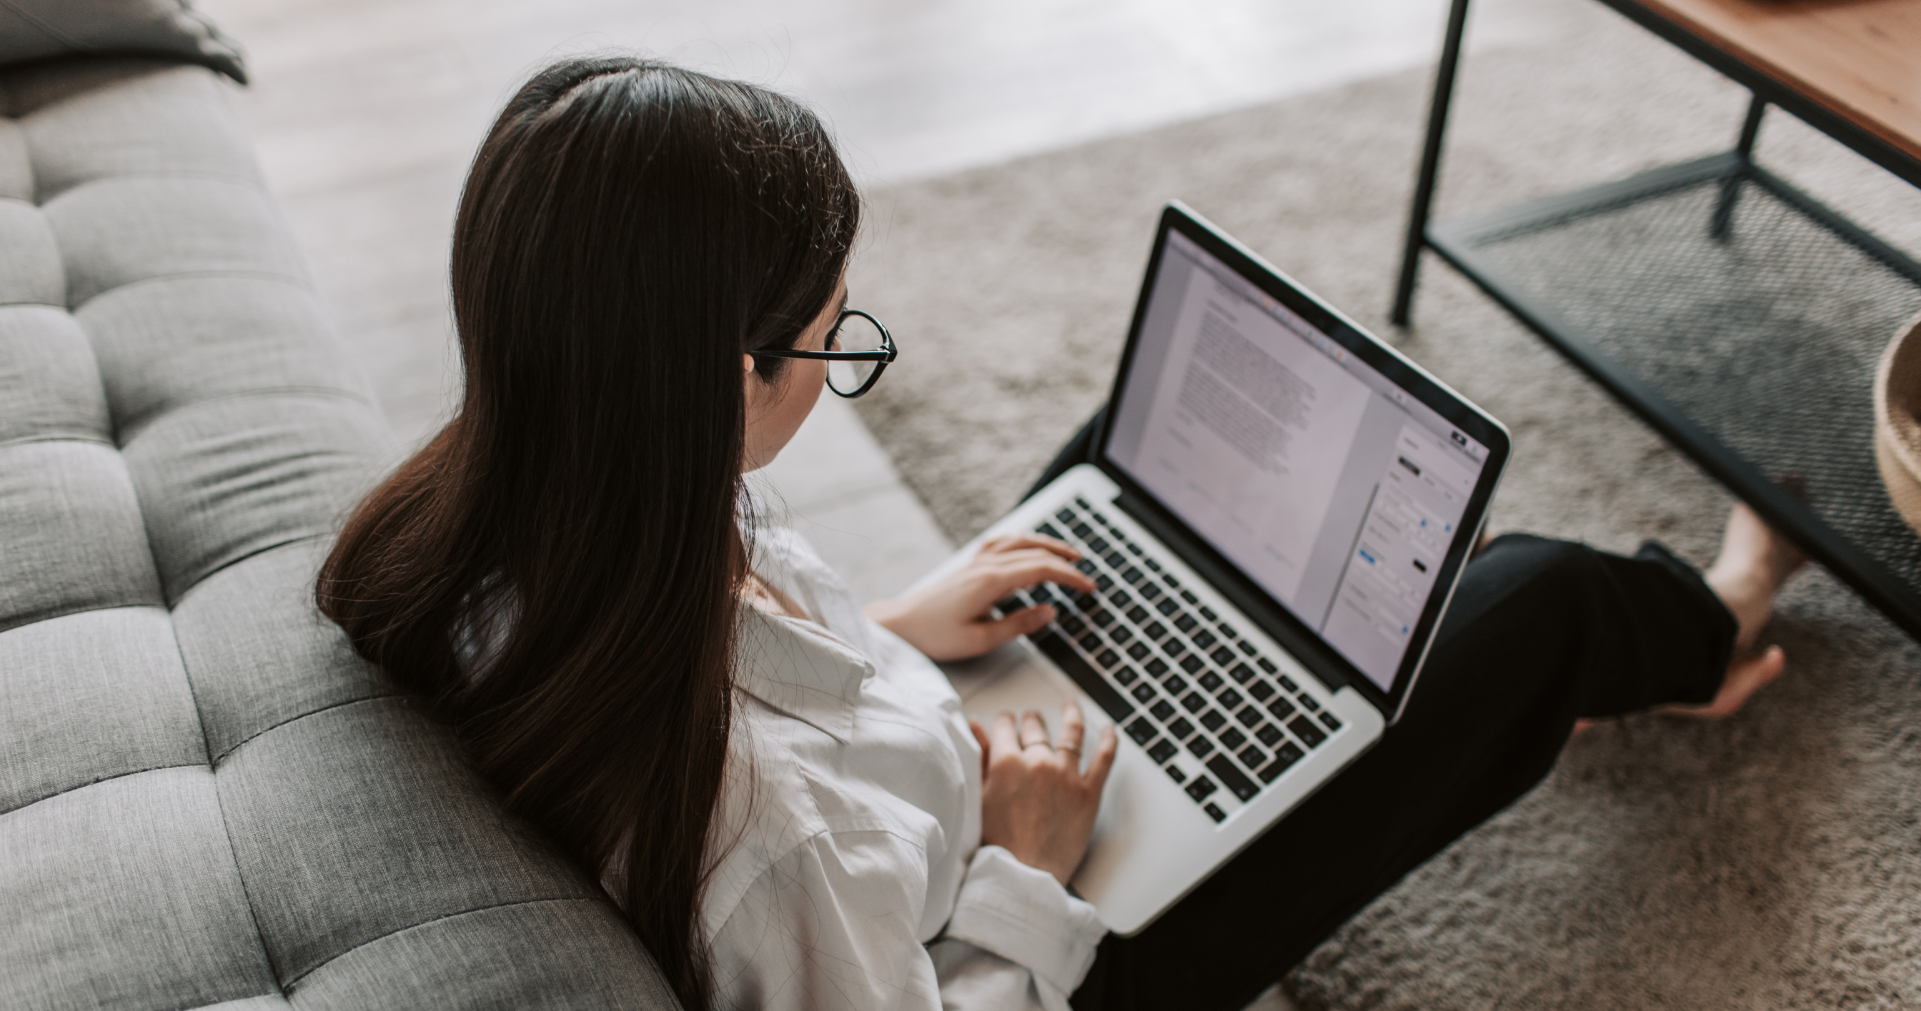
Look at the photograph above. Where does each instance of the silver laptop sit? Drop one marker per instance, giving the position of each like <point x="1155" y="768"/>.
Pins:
<point x="1278" y="510"/>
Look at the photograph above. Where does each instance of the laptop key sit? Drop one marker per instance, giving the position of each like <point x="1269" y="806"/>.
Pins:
<point x="1154" y="630"/>
<point x="1261" y="690"/>
<point x="1137" y="614"/>
<point x="1185" y="622"/>
<point x="1193" y="663"/>
<point x="1162" y="710"/>
<point x="1103" y="583"/>
<point x="1139" y="651"/>
<point x="1120" y="634"/>
<point x="1249" y="716"/>
<point x="1132" y="575"/>
<point x="1181" y="729"/>
<point x="1119" y="599"/>
<point x="1269" y="734"/>
<point x="1099" y="545"/>
<point x="1188" y="595"/>
<point x="1105" y="695"/>
<point x="1268" y="665"/>
<point x="1162" y="751"/>
<point x="1141" y="730"/>
<point x="1143" y="692"/>
<point x="1102" y="618"/>
<point x="1091" y="641"/>
<point x="1227" y="631"/>
<point x="1108" y="659"/>
<point x="1167" y="606"/>
<point x="1082" y="530"/>
<point x="1172" y="583"/>
<point x="1281" y="708"/>
<point x="1086" y="565"/>
<point x="1247" y="647"/>
<point x="1149" y="590"/>
<point x="1214" y="811"/>
<point x="1173" y="647"/>
<point x="1330" y="722"/>
<point x="1252" y="757"/>
<point x="1065" y="516"/>
<point x="1201" y="747"/>
<point x="1201" y="788"/>
<point x="1212" y="719"/>
<point x="1116" y="560"/>
<point x="1283" y="759"/>
<point x="1203" y="639"/>
<point x="1208" y="613"/>
<point x="1241" y="672"/>
<point x="1211" y="681"/>
<point x="1234" y="779"/>
<point x="1174" y="773"/>
<point x="1222" y="656"/>
<point x="1195" y="702"/>
<point x="1230" y="698"/>
<point x="1126" y="676"/>
<point x="1308" y="703"/>
<point x="1175" y="685"/>
<point x="1288" y="683"/>
<point x="1098" y="518"/>
<point x="1073" y="625"/>
<point x="1151" y="564"/>
<point x="1232" y="738"/>
<point x="1049" y="530"/>
<point x="1305" y="729"/>
<point x="1158" y="666"/>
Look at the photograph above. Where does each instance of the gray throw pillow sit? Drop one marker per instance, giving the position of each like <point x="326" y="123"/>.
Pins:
<point x="39" y="29"/>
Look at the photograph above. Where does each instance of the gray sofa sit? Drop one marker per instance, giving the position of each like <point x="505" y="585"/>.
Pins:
<point x="205" y="797"/>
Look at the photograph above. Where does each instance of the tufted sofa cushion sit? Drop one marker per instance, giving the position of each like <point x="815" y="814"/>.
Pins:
<point x="205" y="797"/>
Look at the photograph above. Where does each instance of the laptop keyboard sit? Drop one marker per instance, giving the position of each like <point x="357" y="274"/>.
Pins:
<point x="1205" y="703"/>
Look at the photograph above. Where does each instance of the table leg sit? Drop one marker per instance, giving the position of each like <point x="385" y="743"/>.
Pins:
<point x="1731" y="187"/>
<point x="1430" y="163"/>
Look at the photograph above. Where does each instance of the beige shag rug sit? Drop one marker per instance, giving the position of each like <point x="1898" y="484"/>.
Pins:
<point x="1771" y="861"/>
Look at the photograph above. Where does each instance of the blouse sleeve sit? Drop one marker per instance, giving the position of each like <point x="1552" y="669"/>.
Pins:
<point x="833" y="924"/>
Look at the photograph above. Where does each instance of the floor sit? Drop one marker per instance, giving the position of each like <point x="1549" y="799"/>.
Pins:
<point x="365" y="113"/>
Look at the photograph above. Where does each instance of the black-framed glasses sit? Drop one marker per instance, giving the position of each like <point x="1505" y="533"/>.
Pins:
<point x="862" y="350"/>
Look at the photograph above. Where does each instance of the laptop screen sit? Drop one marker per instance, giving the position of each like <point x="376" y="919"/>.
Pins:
<point x="1319" y="478"/>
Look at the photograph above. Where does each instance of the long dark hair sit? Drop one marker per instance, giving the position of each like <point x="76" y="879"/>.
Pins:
<point x="629" y="229"/>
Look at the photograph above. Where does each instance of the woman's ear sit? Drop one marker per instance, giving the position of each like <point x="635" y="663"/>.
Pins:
<point x="747" y="363"/>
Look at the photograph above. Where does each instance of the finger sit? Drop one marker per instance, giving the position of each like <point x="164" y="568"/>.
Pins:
<point x="1033" y="729"/>
<point x="1015" y="542"/>
<point x="990" y="634"/>
<point x="987" y="747"/>
<point x="1103" y="761"/>
<point x="1018" y="572"/>
<point x="1006" y="740"/>
<point x="1073" y="727"/>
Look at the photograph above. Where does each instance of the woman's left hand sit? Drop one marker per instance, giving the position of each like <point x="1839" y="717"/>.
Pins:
<point x="950" y="620"/>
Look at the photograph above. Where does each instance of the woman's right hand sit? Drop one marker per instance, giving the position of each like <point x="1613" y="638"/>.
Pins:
<point x="1036" y="803"/>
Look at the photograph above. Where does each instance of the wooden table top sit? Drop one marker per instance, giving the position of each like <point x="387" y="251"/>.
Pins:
<point x="1860" y="59"/>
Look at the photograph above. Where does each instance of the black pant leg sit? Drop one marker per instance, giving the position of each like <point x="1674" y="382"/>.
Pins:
<point x="1541" y="633"/>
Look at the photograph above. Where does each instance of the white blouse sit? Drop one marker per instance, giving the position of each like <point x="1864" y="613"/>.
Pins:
<point x="849" y="867"/>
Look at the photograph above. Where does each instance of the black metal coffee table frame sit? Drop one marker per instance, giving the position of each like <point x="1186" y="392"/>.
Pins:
<point x="1842" y="518"/>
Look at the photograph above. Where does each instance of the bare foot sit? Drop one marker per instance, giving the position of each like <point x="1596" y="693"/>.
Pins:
<point x="1754" y="564"/>
<point x="1749" y="673"/>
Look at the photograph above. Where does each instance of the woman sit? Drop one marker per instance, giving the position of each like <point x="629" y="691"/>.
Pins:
<point x="779" y="791"/>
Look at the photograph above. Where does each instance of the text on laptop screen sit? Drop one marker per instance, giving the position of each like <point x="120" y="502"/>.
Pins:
<point x="1324" y="482"/>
